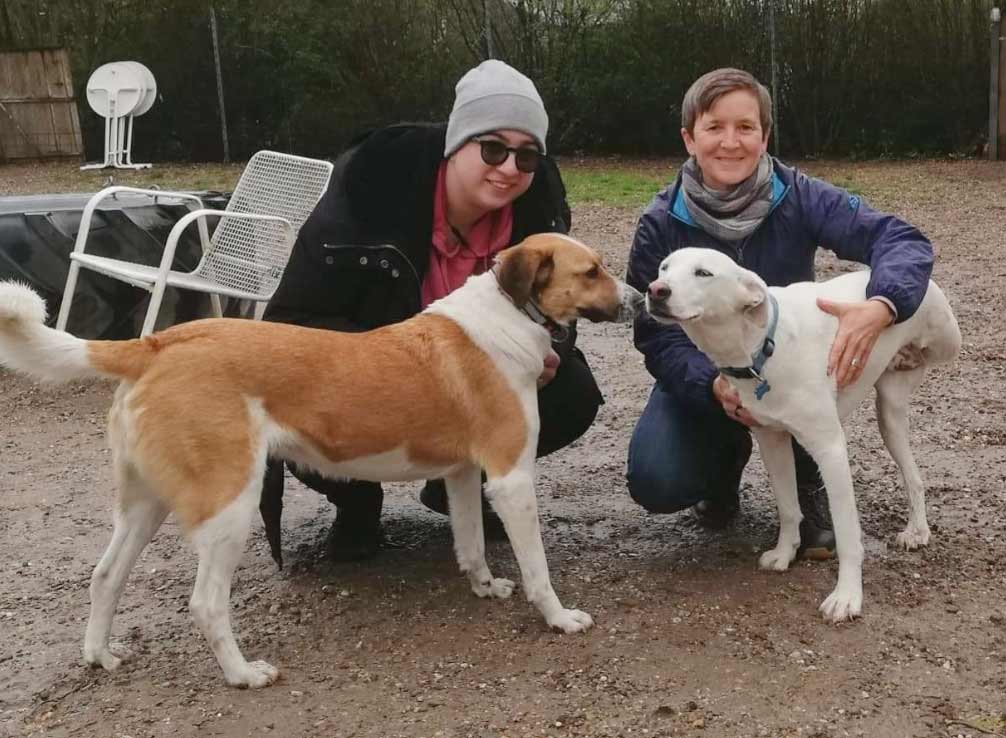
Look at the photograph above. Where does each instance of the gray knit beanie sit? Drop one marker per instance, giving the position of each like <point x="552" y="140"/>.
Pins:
<point x="491" y="97"/>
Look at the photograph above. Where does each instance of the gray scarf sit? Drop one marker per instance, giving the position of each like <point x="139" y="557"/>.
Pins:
<point x="733" y="214"/>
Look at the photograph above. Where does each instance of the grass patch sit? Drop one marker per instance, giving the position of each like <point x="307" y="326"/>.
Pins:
<point x="620" y="185"/>
<point x="65" y="176"/>
<point x="850" y="185"/>
<point x="612" y="186"/>
<point x="590" y="181"/>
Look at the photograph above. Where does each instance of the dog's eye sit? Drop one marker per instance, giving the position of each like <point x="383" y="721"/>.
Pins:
<point x="592" y="272"/>
<point x="702" y="273"/>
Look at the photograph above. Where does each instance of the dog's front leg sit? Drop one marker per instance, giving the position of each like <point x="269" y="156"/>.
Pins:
<point x="827" y="446"/>
<point x="777" y="454"/>
<point x="464" y="502"/>
<point x="513" y="498"/>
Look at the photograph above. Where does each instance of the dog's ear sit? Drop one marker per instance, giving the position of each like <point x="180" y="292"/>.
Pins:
<point x="523" y="272"/>
<point x="752" y="291"/>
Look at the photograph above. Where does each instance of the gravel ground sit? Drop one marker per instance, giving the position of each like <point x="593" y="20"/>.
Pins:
<point x="691" y="638"/>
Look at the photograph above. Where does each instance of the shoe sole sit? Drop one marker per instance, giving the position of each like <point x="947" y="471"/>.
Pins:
<point x="821" y="553"/>
<point x="714" y="522"/>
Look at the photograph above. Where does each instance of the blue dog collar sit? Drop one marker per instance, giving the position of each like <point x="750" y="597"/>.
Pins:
<point x="759" y="358"/>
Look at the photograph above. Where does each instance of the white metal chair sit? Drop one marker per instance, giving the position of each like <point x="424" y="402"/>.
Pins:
<point x="245" y="257"/>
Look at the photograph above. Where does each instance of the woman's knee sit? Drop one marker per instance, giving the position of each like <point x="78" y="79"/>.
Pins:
<point x="676" y="459"/>
<point x="659" y="492"/>
<point x="568" y="405"/>
<point x="340" y="492"/>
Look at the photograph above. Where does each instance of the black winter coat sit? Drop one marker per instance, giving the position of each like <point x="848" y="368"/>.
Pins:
<point x="361" y="256"/>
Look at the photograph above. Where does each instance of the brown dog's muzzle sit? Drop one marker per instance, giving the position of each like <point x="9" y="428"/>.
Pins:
<point x="628" y="303"/>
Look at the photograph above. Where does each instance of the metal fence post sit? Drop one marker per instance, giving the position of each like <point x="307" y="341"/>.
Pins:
<point x="220" y="86"/>
<point x="995" y="88"/>
<point x="487" y="30"/>
<point x="774" y="82"/>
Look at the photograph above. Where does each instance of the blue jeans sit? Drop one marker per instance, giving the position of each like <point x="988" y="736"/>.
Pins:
<point x="678" y="456"/>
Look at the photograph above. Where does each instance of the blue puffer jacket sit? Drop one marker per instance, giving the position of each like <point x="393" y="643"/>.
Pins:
<point x="806" y="213"/>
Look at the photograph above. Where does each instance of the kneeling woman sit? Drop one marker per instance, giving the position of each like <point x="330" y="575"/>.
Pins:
<point x="411" y="212"/>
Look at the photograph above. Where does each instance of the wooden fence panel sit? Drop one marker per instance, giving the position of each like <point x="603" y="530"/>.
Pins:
<point x="38" y="111"/>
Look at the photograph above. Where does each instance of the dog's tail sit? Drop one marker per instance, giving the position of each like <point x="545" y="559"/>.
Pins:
<point x="27" y="345"/>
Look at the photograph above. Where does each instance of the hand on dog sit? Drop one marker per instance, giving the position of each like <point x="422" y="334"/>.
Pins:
<point x="859" y="326"/>
<point x="731" y="402"/>
<point x="548" y="372"/>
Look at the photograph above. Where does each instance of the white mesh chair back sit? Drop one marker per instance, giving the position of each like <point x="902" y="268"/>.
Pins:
<point x="250" y="255"/>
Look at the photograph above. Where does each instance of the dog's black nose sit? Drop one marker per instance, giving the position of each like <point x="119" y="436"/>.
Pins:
<point x="659" y="291"/>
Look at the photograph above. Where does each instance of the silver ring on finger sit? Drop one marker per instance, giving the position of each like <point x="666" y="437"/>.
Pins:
<point x="855" y="361"/>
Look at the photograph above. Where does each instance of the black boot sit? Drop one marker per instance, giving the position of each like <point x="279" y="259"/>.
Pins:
<point x="434" y="496"/>
<point x="356" y="534"/>
<point x="716" y="513"/>
<point x="353" y="537"/>
<point x="817" y="536"/>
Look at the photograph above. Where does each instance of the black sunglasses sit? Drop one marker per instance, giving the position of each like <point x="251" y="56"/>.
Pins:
<point x="495" y="152"/>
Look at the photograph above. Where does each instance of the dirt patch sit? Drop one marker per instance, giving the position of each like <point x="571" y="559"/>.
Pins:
<point x="691" y="639"/>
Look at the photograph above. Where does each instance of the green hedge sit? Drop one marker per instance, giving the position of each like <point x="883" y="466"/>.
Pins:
<point x="856" y="77"/>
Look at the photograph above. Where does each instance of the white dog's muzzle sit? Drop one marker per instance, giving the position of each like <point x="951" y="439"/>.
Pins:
<point x="658" y="297"/>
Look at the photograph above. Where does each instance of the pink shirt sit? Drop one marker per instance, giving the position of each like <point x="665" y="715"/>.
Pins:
<point x="453" y="259"/>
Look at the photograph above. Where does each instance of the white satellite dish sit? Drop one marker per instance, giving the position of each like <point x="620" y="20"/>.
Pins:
<point x="118" y="92"/>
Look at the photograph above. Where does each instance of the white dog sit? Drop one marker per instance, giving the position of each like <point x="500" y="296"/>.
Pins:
<point x="446" y="394"/>
<point x="730" y="314"/>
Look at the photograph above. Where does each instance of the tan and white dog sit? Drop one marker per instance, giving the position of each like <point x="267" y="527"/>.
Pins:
<point x="727" y="312"/>
<point x="447" y="394"/>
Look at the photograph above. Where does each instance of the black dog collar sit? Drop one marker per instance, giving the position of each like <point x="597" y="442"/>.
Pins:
<point x="559" y="333"/>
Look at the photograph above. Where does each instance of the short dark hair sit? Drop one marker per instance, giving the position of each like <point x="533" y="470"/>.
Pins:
<point x="711" y="86"/>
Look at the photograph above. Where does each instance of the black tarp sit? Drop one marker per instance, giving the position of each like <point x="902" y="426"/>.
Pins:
<point x="37" y="234"/>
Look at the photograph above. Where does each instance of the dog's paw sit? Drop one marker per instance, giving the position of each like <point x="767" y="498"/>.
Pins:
<point x="498" y="589"/>
<point x="108" y="658"/>
<point x="842" y="605"/>
<point x="912" y="538"/>
<point x="777" y="559"/>
<point x="255" y="674"/>
<point x="571" y="621"/>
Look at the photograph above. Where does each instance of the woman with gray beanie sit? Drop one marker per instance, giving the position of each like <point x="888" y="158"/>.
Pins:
<point x="411" y="212"/>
